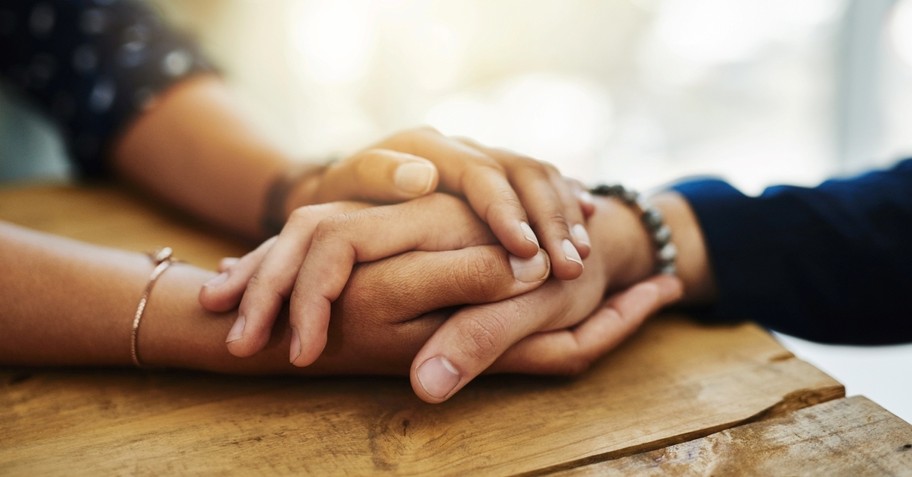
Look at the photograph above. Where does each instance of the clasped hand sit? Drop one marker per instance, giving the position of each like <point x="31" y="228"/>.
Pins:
<point x="426" y="285"/>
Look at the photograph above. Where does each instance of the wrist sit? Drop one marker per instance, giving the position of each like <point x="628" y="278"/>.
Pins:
<point x="294" y="187"/>
<point x="693" y="267"/>
<point x="629" y="253"/>
<point x="621" y="243"/>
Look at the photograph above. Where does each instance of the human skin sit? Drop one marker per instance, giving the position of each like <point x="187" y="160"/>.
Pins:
<point x="68" y="303"/>
<point x="389" y="319"/>
<point x="196" y="148"/>
<point x="561" y="327"/>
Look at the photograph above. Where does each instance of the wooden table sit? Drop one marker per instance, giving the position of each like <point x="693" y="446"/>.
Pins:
<point x="678" y="398"/>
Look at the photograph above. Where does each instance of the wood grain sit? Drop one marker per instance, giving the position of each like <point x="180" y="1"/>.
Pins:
<point x="846" y="437"/>
<point x="674" y="381"/>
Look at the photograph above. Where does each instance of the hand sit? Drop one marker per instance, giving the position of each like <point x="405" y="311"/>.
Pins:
<point x="384" y="315"/>
<point x="520" y="198"/>
<point x="557" y="328"/>
<point x="372" y="339"/>
<point x="311" y="260"/>
<point x="391" y="308"/>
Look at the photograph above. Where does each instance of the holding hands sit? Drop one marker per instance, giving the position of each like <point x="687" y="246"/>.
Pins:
<point x="323" y="252"/>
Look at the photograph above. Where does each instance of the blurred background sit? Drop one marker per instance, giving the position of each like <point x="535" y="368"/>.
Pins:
<point x="636" y="91"/>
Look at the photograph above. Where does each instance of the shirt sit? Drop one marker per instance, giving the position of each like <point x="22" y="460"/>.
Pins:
<point x="832" y="263"/>
<point x="91" y="66"/>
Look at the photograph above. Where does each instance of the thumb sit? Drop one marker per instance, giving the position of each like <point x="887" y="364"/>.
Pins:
<point x="381" y="175"/>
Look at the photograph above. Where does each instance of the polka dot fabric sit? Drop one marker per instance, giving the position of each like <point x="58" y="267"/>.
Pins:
<point x="91" y="65"/>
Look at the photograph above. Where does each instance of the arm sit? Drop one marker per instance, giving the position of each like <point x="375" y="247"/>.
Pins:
<point x="829" y="263"/>
<point x="67" y="303"/>
<point x="562" y="327"/>
<point x="136" y="98"/>
<point x="826" y="263"/>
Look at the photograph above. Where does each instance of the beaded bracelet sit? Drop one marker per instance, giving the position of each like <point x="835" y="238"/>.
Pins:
<point x="652" y="219"/>
<point x="161" y="259"/>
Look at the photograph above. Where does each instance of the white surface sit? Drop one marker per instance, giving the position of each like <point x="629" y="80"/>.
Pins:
<point x="881" y="373"/>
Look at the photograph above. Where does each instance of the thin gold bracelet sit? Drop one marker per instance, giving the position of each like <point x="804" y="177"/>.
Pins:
<point x="162" y="259"/>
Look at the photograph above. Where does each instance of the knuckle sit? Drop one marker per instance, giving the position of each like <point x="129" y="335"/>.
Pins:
<point x="257" y="280"/>
<point x="555" y="220"/>
<point x="482" y="166"/>
<point x="300" y="215"/>
<point x="481" y="337"/>
<point x="529" y="165"/>
<point x="479" y="277"/>
<point x="262" y="291"/>
<point x="549" y="169"/>
<point x="362" y="161"/>
<point x="330" y="227"/>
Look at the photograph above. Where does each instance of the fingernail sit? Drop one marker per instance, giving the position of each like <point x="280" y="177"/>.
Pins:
<point x="217" y="280"/>
<point x="437" y="376"/>
<point x="227" y="263"/>
<point x="415" y="177"/>
<point x="527" y="233"/>
<point x="295" y="346"/>
<point x="570" y="252"/>
<point x="237" y="331"/>
<point x="527" y="270"/>
<point x="586" y="197"/>
<point x="580" y="234"/>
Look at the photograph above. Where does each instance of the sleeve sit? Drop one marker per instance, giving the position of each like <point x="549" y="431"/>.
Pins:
<point x="91" y="66"/>
<point x="831" y="263"/>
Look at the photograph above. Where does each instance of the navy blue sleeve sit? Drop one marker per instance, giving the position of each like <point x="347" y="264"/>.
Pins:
<point x="91" y="66"/>
<point x="831" y="263"/>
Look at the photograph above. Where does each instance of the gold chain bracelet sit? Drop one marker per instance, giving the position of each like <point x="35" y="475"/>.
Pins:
<point x="161" y="259"/>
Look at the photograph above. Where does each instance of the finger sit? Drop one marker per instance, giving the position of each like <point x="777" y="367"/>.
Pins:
<point x="394" y="305"/>
<point x="583" y="197"/>
<point x="270" y="284"/>
<point x="573" y="213"/>
<point x="343" y="240"/>
<point x="571" y="351"/>
<point x="226" y="263"/>
<point x="409" y="285"/>
<point x="481" y="180"/>
<point x="553" y="212"/>
<point x="380" y="175"/>
<point x="475" y="337"/>
<point x="464" y="346"/>
<point x="224" y="291"/>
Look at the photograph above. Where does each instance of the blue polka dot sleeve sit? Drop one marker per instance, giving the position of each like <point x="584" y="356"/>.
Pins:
<point x="91" y="66"/>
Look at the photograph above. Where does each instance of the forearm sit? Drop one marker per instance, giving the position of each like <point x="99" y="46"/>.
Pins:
<point x="196" y="149"/>
<point x="67" y="303"/>
<point x="64" y="302"/>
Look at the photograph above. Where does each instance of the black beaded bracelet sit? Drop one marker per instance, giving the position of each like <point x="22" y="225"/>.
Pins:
<point x="652" y="219"/>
